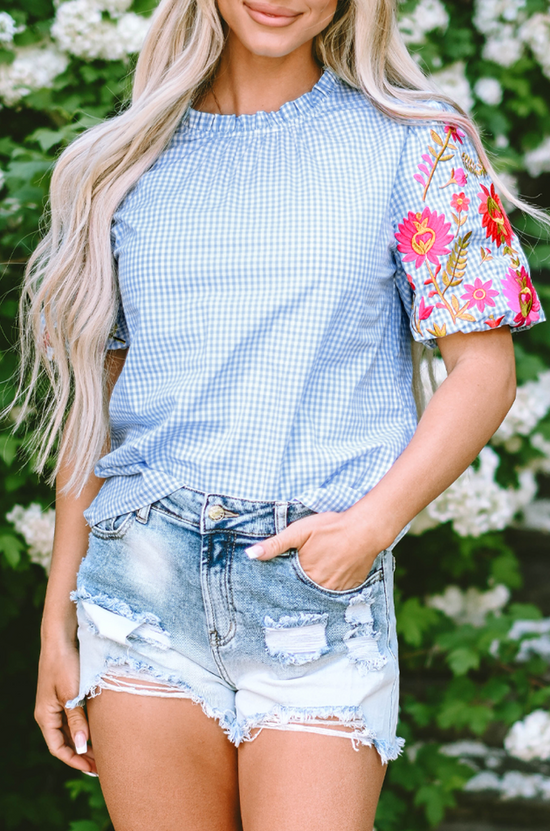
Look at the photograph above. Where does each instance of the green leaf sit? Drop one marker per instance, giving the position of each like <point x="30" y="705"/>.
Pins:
<point x="435" y="800"/>
<point x="462" y="660"/>
<point x="11" y="547"/>
<point x="414" y="620"/>
<point x="84" y="825"/>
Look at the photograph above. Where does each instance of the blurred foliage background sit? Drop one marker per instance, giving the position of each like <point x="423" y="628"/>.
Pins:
<point x="472" y="596"/>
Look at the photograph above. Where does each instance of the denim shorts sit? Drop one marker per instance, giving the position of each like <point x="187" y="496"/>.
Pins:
<point x="170" y="605"/>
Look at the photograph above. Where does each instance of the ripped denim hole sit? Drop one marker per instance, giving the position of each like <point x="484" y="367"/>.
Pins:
<point x="113" y="619"/>
<point x="296" y="639"/>
<point x="362" y="640"/>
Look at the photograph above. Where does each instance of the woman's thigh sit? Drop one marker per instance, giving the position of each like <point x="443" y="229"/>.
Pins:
<point x="297" y="781"/>
<point x="163" y="764"/>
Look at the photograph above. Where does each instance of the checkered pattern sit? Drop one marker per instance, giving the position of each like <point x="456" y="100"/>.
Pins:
<point x="265" y="307"/>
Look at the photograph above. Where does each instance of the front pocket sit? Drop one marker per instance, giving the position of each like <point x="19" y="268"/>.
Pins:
<point x="113" y="528"/>
<point x="375" y="574"/>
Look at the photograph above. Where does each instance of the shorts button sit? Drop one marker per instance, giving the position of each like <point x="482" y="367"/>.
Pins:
<point x="216" y="512"/>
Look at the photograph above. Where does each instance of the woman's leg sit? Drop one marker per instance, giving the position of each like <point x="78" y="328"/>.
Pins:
<point x="298" y="781"/>
<point x="163" y="764"/>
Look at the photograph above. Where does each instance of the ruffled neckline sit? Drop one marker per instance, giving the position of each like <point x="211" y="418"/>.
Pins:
<point x="302" y="106"/>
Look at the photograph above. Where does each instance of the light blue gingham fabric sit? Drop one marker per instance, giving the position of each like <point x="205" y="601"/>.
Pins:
<point x="266" y="302"/>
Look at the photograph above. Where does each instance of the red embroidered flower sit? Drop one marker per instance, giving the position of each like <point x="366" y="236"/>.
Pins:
<point x="460" y="202"/>
<point x="424" y="311"/>
<point x="423" y="236"/>
<point x="456" y="132"/>
<point x="522" y="297"/>
<point x="479" y="294"/>
<point x="496" y="223"/>
<point x="494" y="323"/>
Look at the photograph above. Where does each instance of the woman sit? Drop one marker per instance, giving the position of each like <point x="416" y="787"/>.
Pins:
<point x="288" y="200"/>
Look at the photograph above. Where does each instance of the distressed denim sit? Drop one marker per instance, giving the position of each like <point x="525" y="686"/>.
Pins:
<point x="169" y="604"/>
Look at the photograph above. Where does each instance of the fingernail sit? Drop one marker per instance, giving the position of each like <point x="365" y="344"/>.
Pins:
<point x="89" y="773"/>
<point x="254" y="552"/>
<point x="80" y="743"/>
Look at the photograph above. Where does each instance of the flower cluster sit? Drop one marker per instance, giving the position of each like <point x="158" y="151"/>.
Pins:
<point x="531" y="405"/>
<point x="535" y="32"/>
<point x="500" y="21"/>
<point x="34" y="67"/>
<point x="476" y="503"/>
<point x="452" y="81"/>
<point x="537" y="161"/>
<point x="470" y="606"/>
<point x="530" y="739"/>
<point x="37" y="527"/>
<point x="489" y="91"/>
<point x="8" y="28"/>
<point x="512" y="785"/>
<point x="80" y="28"/>
<point x="426" y="17"/>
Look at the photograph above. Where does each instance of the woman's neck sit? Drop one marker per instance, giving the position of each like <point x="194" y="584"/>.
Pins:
<point x="246" y="83"/>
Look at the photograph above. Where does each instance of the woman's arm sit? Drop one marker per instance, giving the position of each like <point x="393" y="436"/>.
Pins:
<point x="337" y="549"/>
<point x="66" y="731"/>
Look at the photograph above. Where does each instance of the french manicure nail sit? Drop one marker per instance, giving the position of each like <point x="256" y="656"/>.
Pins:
<point x="80" y="743"/>
<point x="254" y="552"/>
<point x="89" y="773"/>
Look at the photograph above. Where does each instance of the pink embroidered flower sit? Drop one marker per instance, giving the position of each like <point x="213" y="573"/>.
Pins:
<point x="460" y="202"/>
<point x="410" y="281"/>
<point x="424" y="311"/>
<point x="423" y="236"/>
<point x="496" y="223"/>
<point x="494" y="323"/>
<point x="460" y="177"/>
<point x="522" y="297"/>
<point x="479" y="294"/>
<point x="456" y="132"/>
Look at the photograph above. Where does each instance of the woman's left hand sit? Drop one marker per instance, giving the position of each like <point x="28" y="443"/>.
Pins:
<point x="334" y="549"/>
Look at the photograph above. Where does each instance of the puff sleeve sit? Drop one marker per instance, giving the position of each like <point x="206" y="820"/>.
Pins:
<point x="459" y="265"/>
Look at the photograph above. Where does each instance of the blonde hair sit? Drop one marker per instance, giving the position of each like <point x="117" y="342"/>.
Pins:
<point x="70" y="289"/>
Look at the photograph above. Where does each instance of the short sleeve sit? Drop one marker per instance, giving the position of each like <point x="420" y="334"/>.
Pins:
<point x="120" y="336"/>
<point x="459" y="265"/>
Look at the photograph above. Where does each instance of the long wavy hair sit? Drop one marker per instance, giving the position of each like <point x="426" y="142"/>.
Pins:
<point x="70" y="294"/>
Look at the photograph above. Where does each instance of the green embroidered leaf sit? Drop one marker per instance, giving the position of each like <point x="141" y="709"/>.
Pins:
<point x="436" y="137"/>
<point x="455" y="267"/>
<point x="432" y="151"/>
<point x="446" y="157"/>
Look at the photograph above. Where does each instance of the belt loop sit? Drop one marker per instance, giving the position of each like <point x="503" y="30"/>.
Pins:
<point x="142" y="514"/>
<point x="281" y="509"/>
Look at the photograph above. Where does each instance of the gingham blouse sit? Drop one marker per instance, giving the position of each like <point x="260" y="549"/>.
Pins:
<point x="272" y="268"/>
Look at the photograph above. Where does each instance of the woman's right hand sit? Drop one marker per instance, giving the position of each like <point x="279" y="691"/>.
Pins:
<point x="66" y="731"/>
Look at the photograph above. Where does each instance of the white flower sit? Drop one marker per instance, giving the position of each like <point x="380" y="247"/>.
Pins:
<point x="486" y="780"/>
<point x="452" y="81"/>
<point x="531" y="405"/>
<point x="475" y="503"/>
<point x="37" y="527"/>
<point x="34" y="68"/>
<point x="80" y="29"/>
<point x="489" y="91"/>
<point x="132" y="29"/>
<point x="536" y="516"/>
<point x="8" y="28"/>
<point x="537" y="161"/>
<point x="530" y="739"/>
<point x="2" y="179"/>
<point x="532" y="646"/>
<point x="470" y="606"/>
<point x="427" y="16"/>
<point x="536" y="34"/>
<point x="490" y="13"/>
<point x="504" y="48"/>
<point x="116" y="8"/>
<point x="542" y="464"/>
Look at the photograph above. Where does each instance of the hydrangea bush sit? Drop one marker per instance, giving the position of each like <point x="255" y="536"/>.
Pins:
<point x="475" y="662"/>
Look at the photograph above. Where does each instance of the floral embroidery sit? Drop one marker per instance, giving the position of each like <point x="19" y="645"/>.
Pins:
<point x="480" y="294"/>
<point x="426" y="239"/>
<point x="460" y="202"/>
<point x="522" y="297"/>
<point x="423" y="236"/>
<point x="496" y="223"/>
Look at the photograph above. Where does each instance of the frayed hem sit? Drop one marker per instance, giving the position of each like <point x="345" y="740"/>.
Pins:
<point x="322" y="720"/>
<point x="140" y="670"/>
